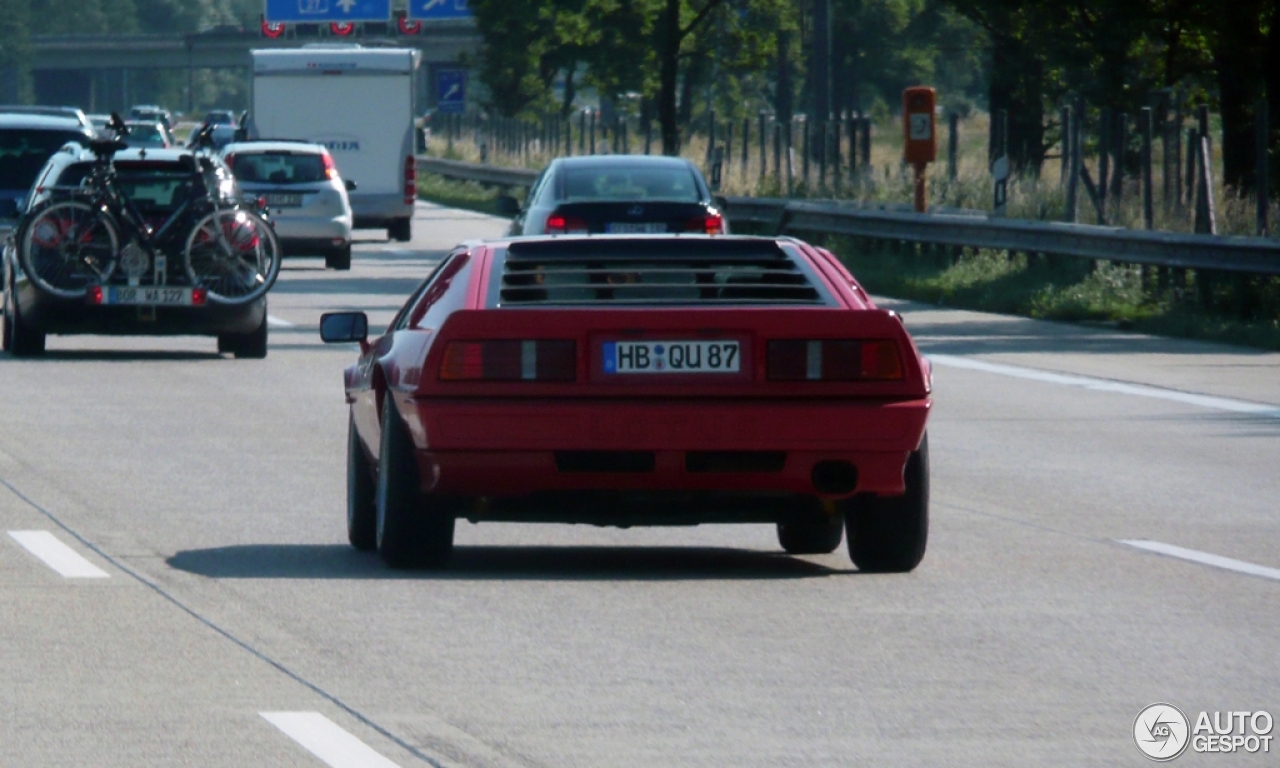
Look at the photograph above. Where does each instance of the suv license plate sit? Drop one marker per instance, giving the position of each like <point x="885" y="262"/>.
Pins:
<point x="671" y="357"/>
<point x="148" y="295"/>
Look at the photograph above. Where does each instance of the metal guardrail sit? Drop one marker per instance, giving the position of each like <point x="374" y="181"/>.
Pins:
<point x="973" y="229"/>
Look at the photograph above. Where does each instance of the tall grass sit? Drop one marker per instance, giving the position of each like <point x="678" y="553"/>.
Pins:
<point x="887" y="180"/>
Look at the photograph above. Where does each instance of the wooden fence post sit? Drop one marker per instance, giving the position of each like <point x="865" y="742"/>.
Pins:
<point x="1070" y="151"/>
<point x="764" y="164"/>
<point x="1104" y="160"/>
<point x="746" y="145"/>
<point x="1121" y="149"/>
<point x="1262" y="191"/>
<point x="1064" y="118"/>
<point x="953" y="142"/>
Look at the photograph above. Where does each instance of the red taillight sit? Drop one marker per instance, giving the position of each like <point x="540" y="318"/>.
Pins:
<point x="834" y="360"/>
<point x="410" y="180"/>
<point x="514" y="360"/>
<point x="95" y="294"/>
<point x="565" y="225"/>
<point x="230" y="160"/>
<point x="199" y="297"/>
<point x="330" y="170"/>
<point x="711" y="224"/>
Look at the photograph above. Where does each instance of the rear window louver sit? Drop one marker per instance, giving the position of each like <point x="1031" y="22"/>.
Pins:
<point x="658" y="272"/>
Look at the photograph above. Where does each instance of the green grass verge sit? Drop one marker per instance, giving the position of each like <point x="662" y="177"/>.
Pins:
<point x="458" y="194"/>
<point x="1072" y="290"/>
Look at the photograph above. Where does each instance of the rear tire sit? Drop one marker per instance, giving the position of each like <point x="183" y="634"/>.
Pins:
<point x="20" y="340"/>
<point x="813" y="531"/>
<point x="888" y="534"/>
<point x="401" y="230"/>
<point x="362" y="511"/>
<point x="339" y="259"/>
<point x="409" y="532"/>
<point x="249" y="346"/>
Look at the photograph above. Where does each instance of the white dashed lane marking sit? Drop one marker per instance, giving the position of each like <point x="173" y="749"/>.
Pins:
<point x="1204" y="558"/>
<point x="1106" y="385"/>
<point x="57" y="555"/>
<point x="326" y="740"/>
<point x="275" y="322"/>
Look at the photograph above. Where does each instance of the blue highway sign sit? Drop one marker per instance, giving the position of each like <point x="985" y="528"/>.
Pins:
<point x="439" y="9"/>
<point x="315" y="11"/>
<point x="451" y="91"/>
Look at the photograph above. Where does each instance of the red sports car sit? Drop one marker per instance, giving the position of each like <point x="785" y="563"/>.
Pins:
<point x="669" y="380"/>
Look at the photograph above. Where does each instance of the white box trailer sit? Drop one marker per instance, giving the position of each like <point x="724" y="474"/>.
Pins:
<point x="358" y="102"/>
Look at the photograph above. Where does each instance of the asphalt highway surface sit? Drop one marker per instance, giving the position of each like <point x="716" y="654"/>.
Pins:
<point x="176" y="587"/>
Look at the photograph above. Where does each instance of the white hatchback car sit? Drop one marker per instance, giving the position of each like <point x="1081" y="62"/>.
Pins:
<point x="306" y="196"/>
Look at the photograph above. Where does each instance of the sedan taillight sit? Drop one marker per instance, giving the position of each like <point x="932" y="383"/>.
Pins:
<point x="834" y="360"/>
<point x="558" y="224"/>
<point x="710" y="224"/>
<point x="517" y="360"/>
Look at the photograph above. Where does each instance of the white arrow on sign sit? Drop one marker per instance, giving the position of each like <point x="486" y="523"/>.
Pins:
<point x="346" y="5"/>
<point x="449" y="93"/>
<point x="431" y="4"/>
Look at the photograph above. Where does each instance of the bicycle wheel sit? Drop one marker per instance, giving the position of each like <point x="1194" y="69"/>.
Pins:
<point x="68" y="246"/>
<point x="234" y="255"/>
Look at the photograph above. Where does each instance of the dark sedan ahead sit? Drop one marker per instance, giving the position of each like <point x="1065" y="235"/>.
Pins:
<point x="617" y="194"/>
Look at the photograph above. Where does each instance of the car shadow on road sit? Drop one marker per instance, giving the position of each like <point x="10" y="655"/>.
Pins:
<point x="120" y="356"/>
<point x="501" y="563"/>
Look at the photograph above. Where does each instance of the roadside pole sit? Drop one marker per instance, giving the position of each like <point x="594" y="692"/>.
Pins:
<point x="920" y="146"/>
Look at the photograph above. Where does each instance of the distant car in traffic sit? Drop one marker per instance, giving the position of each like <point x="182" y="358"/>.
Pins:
<point x="617" y="194"/>
<point x="157" y="182"/>
<point x="72" y="112"/>
<point x="220" y="117"/>
<point x="27" y="141"/>
<point x="151" y="113"/>
<point x="622" y="381"/>
<point x="307" y="198"/>
<point x="148" y="134"/>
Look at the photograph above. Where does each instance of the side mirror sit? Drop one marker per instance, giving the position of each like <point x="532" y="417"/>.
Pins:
<point x="508" y="205"/>
<point x="344" y="327"/>
<point x="351" y="185"/>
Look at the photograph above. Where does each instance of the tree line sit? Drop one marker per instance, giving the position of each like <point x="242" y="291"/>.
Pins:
<point x="673" y="60"/>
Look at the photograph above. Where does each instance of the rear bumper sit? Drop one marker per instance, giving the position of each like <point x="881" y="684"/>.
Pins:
<point x="519" y="448"/>
<point x="50" y="314"/>
<point x="300" y="229"/>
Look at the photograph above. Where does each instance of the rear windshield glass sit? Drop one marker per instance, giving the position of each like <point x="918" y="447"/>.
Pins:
<point x="278" y="167"/>
<point x="153" y="187"/>
<point x="24" y="152"/>
<point x="634" y="183"/>
<point x="146" y="134"/>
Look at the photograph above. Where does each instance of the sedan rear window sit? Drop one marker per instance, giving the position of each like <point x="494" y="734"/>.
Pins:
<point x="278" y="167"/>
<point x="629" y="183"/>
<point x="24" y="152"/>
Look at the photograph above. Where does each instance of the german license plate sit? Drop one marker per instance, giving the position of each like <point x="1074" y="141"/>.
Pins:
<point x="636" y="228"/>
<point x="281" y="200"/>
<point x="671" y="357"/>
<point x="148" y="295"/>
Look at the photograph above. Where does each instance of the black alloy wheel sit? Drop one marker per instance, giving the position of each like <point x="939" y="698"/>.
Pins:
<point x="888" y="534"/>
<point x="411" y="531"/>
<point x="362" y="512"/>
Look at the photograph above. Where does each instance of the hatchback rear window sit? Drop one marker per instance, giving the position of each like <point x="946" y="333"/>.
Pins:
<point x="24" y="152"/>
<point x="278" y="167"/>
<point x="629" y="183"/>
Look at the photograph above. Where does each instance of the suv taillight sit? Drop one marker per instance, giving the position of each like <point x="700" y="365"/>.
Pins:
<point x="834" y="360"/>
<point x="711" y="224"/>
<point x="517" y="360"/>
<point x="410" y="180"/>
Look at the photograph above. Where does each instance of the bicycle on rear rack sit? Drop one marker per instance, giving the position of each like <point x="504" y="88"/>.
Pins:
<point x="92" y="238"/>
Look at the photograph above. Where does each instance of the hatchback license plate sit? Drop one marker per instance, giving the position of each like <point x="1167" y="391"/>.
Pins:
<point x="636" y="228"/>
<point x="671" y="357"/>
<point x="148" y="295"/>
<point x="284" y="200"/>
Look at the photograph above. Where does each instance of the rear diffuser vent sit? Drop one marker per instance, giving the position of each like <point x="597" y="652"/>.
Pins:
<point x="694" y="272"/>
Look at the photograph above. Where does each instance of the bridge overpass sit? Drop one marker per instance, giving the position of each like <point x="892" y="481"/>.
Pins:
<point x="102" y="72"/>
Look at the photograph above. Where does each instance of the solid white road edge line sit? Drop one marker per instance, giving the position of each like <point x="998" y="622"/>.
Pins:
<point x="1204" y="558"/>
<point x="275" y="322"/>
<point x="57" y="555"/>
<point x="326" y="740"/>
<point x="1104" y="385"/>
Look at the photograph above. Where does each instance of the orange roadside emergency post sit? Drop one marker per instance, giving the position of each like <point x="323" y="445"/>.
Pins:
<point x="920" y="145"/>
